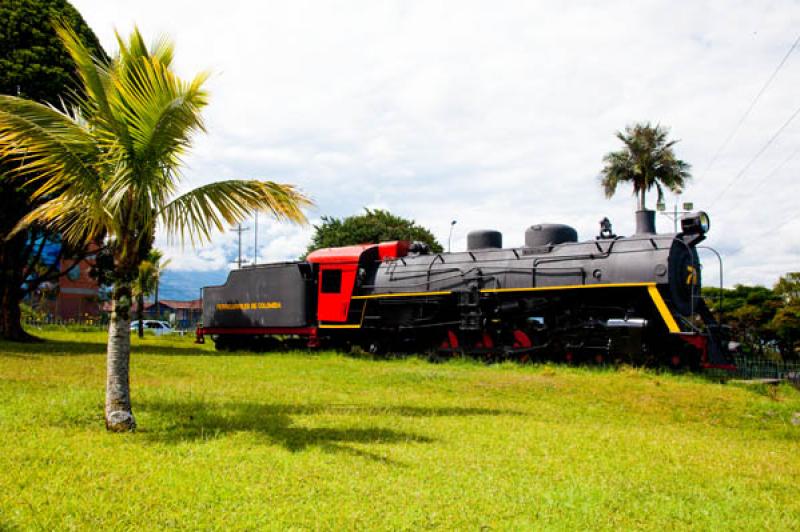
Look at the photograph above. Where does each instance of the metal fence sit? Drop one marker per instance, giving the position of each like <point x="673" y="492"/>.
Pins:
<point x="764" y="368"/>
<point x="95" y="324"/>
<point x="88" y="321"/>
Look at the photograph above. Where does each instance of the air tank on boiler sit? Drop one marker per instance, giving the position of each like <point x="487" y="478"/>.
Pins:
<point x="484" y="239"/>
<point x="542" y="235"/>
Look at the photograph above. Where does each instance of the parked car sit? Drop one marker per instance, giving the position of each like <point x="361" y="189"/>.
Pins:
<point x="154" y="326"/>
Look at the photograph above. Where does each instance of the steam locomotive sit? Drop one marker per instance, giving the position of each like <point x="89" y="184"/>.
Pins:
<point x="634" y="299"/>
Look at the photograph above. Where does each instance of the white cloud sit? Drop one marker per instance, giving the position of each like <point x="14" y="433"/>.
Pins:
<point x="497" y="116"/>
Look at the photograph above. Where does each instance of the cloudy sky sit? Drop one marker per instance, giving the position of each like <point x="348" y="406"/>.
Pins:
<point x="495" y="114"/>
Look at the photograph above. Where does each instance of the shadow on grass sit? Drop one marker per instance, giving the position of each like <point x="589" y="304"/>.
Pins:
<point x="188" y="421"/>
<point x="197" y="421"/>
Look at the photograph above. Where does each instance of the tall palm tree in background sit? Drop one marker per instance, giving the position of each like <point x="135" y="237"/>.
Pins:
<point x="647" y="160"/>
<point x="146" y="284"/>
<point x="108" y="169"/>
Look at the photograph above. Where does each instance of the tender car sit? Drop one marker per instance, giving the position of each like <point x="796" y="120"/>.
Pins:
<point x="154" y="326"/>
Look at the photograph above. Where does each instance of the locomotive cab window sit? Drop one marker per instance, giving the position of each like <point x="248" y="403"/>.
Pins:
<point x="331" y="281"/>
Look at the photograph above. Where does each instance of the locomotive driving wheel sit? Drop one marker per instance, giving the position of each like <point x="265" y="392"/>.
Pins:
<point x="685" y="357"/>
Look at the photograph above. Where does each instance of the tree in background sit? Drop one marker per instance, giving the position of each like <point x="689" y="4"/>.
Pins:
<point x="788" y="287"/>
<point x="33" y="65"/>
<point x="786" y="322"/>
<point x="766" y="321"/>
<point x="146" y="284"/>
<point x="109" y="169"/>
<point x="647" y="160"/>
<point x="371" y="227"/>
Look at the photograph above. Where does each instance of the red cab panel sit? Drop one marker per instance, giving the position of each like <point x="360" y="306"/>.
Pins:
<point x="336" y="282"/>
<point x="337" y="277"/>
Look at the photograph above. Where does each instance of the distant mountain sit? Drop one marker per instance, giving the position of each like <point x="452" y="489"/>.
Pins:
<point x="186" y="285"/>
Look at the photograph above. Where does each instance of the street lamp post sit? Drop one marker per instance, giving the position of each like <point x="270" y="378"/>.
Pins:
<point x="675" y="214"/>
<point x="450" y="236"/>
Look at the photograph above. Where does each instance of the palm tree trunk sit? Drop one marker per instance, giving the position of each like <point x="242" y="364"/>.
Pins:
<point x="641" y="199"/>
<point x="140" y="313"/>
<point x="119" y="417"/>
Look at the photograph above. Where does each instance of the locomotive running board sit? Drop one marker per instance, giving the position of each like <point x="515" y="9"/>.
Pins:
<point x="652" y="290"/>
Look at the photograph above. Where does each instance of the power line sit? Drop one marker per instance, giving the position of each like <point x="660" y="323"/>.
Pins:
<point x="776" y="169"/>
<point x="778" y="227"/>
<point x="756" y="156"/>
<point x="750" y="107"/>
<point x="787" y="222"/>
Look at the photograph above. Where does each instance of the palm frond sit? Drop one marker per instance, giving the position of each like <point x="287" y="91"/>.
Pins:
<point x="163" y="50"/>
<point x="660" y="191"/>
<point x="132" y="49"/>
<point x="215" y="206"/>
<point x="161" y="112"/>
<point x="93" y="71"/>
<point x="74" y="218"/>
<point x="618" y="168"/>
<point x="46" y="146"/>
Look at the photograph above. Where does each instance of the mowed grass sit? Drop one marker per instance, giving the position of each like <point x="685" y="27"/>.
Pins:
<point x="325" y="441"/>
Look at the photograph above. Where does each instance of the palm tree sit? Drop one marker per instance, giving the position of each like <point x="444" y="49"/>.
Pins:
<point x="109" y="168"/>
<point x="647" y="160"/>
<point x="146" y="284"/>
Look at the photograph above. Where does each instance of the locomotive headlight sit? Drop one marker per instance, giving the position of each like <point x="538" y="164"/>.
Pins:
<point x="695" y="223"/>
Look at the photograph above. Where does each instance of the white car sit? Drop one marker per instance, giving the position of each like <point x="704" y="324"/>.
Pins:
<point x="154" y="326"/>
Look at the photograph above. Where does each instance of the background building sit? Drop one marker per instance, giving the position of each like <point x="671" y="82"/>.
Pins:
<point x="180" y="314"/>
<point x="73" y="296"/>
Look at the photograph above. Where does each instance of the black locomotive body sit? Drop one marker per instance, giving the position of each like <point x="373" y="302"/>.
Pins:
<point x="634" y="298"/>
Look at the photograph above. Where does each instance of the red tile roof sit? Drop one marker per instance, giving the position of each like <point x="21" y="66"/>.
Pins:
<point x="174" y="304"/>
<point x="194" y="304"/>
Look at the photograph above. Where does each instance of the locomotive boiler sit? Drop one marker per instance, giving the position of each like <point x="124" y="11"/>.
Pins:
<point x="612" y="298"/>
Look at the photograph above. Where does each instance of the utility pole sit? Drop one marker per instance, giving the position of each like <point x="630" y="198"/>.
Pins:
<point x="255" y="245"/>
<point x="239" y="230"/>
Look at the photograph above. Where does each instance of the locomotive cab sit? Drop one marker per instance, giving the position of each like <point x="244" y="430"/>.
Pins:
<point x="337" y="271"/>
<point x="341" y="271"/>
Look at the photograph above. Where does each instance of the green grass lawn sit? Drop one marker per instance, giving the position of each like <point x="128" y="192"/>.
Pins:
<point x="324" y="441"/>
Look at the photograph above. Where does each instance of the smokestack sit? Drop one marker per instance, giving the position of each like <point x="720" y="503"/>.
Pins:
<point x="645" y="222"/>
